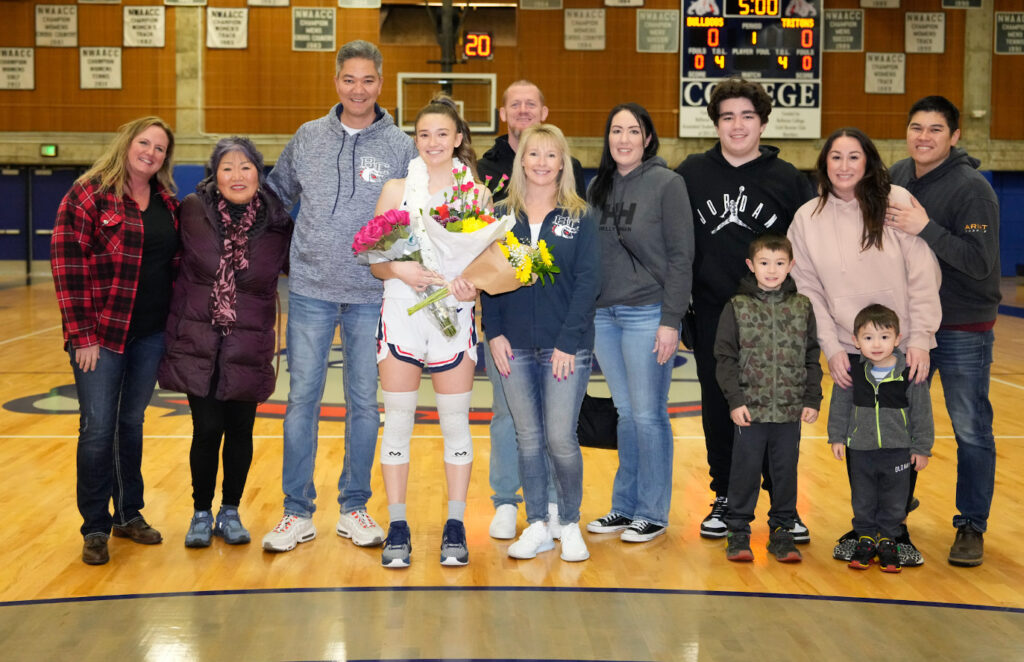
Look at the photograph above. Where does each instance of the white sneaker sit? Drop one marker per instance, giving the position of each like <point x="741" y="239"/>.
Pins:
<point x="573" y="547"/>
<point x="288" y="533"/>
<point x="360" y="527"/>
<point x="554" y="526"/>
<point x="535" y="539"/>
<point x="503" y="525"/>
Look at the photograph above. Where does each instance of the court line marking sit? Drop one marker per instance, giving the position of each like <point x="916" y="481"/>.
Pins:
<point x="1006" y="383"/>
<point x="29" y="335"/>
<point x="534" y="589"/>
<point x="415" y="436"/>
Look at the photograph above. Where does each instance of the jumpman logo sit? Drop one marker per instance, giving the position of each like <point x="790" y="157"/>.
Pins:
<point x="732" y="208"/>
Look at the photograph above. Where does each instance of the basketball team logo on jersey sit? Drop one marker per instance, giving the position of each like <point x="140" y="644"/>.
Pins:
<point x="733" y="211"/>
<point x="565" y="227"/>
<point x="372" y="169"/>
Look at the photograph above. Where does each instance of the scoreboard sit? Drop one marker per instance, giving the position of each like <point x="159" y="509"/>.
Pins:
<point x="774" y="42"/>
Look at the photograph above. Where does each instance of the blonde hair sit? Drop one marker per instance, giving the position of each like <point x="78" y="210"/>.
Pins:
<point x="111" y="169"/>
<point x="566" y="197"/>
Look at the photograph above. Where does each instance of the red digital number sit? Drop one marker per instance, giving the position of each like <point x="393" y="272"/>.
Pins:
<point x="806" y="38"/>
<point x="713" y="37"/>
<point x="478" y="45"/>
<point x="698" y="61"/>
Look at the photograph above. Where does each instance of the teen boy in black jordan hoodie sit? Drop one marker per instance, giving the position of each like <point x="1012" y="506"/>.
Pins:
<point x="738" y="189"/>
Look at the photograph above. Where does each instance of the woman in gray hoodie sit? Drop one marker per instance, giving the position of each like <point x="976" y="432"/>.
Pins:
<point x="645" y="232"/>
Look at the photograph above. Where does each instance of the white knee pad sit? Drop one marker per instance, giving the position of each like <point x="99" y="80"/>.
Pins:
<point x="399" y="417"/>
<point x="453" y="413"/>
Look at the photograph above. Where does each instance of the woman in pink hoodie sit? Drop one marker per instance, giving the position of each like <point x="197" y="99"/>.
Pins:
<point x="846" y="258"/>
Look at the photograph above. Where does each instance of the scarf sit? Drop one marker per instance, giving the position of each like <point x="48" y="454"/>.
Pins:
<point x="234" y="256"/>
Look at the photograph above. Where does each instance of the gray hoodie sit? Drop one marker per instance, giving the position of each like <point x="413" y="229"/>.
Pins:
<point x="653" y="262"/>
<point x="337" y="179"/>
<point x="891" y="413"/>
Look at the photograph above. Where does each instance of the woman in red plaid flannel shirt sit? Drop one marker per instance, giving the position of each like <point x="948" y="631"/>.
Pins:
<point x="113" y="254"/>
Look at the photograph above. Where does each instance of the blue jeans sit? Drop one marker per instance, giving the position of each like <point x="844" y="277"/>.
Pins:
<point x="545" y="412"/>
<point x="112" y="401"/>
<point x="639" y="386"/>
<point x="311" y="324"/>
<point x="504" y="467"/>
<point x="963" y="360"/>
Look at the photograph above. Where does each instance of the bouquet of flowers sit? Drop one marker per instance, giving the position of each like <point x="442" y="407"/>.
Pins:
<point x="386" y="238"/>
<point x="502" y="267"/>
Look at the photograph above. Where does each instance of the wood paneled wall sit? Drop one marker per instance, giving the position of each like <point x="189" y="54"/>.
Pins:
<point x="270" y="89"/>
<point x="57" y="103"/>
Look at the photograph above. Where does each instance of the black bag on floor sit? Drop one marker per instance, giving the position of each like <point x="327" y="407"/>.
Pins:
<point x="597" y="423"/>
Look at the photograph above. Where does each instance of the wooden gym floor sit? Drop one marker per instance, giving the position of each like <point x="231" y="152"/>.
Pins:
<point x="675" y="598"/>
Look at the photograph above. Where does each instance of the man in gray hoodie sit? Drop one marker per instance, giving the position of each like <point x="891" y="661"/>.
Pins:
<point x="335" y="167"/>
<point x="956" y="211"/>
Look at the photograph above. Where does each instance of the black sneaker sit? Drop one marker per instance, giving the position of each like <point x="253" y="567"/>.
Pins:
<point x="397" y="546"/>
<point x="713" y="525"/>
<point x="909" y="555"/>
<point x="801" y="535"/>
<point x="640" y="530"/>
<point x="888" y="557"/>
<point x="610" y="523"/>
<point x="843" y="551"/>
<point x="738" y="548"/>
<point x="780" y="543"/>
<point x="968" y="548"/>
<point x="454" y="550"/>
<point x="863" y="553"/>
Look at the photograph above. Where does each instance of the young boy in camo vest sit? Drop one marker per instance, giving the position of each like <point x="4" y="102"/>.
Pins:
<point x="767" y="365"/>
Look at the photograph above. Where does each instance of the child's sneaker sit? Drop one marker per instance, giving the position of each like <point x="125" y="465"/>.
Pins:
<point x="780" y="543"/>
<point x="738" y="548"/>
<point x="888" y="557"/>
<point x="713" y="525"/>
<point x="200" y="529"/>
<point x="229" y="527"/>
<point x="910" y="556"/>
<point x="863" y="553"/>
<point x="397" y="546"/>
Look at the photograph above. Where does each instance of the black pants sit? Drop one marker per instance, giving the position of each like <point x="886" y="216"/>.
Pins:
<point x="779" y="444"/>
<point x="714" y="408"/>
<point x="879" y="484"/>
<point x="213" y="419"/>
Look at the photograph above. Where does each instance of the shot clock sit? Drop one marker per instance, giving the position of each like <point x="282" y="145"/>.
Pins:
<point x="775" y="42"/>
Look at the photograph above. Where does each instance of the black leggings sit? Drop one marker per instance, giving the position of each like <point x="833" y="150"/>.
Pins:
<point x="212" y="419"/>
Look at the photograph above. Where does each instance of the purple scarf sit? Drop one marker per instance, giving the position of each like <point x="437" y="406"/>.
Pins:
<point x="233" y="257"/>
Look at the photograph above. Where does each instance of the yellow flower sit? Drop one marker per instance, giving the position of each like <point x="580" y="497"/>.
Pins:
<point x="511" y="240"/>
<point x="545" y="254"/>
<point x="472" y="224"/>
<point x="504" y="250"/>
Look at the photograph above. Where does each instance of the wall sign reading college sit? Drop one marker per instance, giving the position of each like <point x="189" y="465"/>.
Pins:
<point x="99" y="68"/>
<point x="313" y="29"/>
<point x="775" y="42"/>
<point x="17" y="69"/>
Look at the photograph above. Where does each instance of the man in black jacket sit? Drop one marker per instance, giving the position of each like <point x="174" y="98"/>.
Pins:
<point x="956" y="212"/>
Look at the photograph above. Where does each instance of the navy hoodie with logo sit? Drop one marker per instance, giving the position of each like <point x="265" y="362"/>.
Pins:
<point x="557" y="315"/>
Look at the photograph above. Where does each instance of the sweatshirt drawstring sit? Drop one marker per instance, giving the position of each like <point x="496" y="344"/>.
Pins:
<point x="337" y="169"/>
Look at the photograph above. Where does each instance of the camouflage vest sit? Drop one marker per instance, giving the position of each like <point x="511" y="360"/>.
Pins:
<point x="773" y="346"/>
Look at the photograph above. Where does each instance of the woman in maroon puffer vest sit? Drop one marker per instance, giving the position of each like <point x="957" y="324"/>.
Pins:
<point x="235" y="235"/>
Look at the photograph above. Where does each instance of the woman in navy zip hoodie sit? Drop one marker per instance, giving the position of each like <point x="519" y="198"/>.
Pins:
<point x="542" y="337"/>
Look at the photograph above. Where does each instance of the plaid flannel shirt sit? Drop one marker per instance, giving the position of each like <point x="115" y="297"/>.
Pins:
<point x="95" y="255"/>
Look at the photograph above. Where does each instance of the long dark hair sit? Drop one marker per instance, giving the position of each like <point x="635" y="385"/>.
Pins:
<point x="602" y="184"/>
<point x="872" y="191"/>
<point x="442" y="104"/>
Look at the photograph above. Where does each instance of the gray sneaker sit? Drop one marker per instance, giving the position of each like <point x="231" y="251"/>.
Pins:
<point x="397" y="547"/>
<point x="968" y="548"/>
<point x="453" y="544"/>
<point x="200" y="529"/>
<point x="780" y="543"/>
